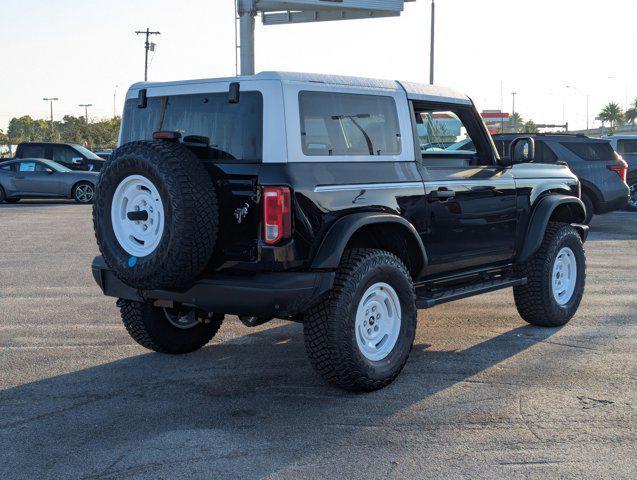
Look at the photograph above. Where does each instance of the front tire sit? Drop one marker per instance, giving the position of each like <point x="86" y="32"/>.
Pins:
<point x="632" y="199"/>
<point x="173" y="331"/>
<point x="556" y="275"/>
<point x="84" y="192"/>
<point x="589" y="206"/>
<point x="360" y="336"/>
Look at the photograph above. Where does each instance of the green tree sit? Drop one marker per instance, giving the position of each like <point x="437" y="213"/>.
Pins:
<point x="631" y="114"/>
<point x="611" y="113"/>
<point x="530" y="127"/>
<point x="516" y="123"/>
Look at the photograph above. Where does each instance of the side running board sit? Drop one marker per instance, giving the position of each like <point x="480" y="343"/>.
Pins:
<point x="429" y="298"/>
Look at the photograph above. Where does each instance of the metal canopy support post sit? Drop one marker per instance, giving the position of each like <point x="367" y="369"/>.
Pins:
<point x="278" y="12"/>
<point x="247" y="13"/>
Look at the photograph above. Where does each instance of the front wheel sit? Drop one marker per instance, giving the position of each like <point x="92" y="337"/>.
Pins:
<point x="359" y="338"/>
<point x="168" y="330"/>
<point x="556" y="275"/>
<point x="84" y="192"/>
<point x="632" y="199"/>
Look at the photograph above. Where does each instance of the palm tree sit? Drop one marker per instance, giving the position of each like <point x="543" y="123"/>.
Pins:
<point x="631" y="113"/>
<point x="611" y="113"/>
<point x="515" y="122"/>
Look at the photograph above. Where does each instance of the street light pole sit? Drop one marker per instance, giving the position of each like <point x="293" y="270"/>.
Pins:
<point x="51" y="100"/>
<point x="86" y="105"/>
<point x="115" y="102"/>
<point x="247" y="13"/>
<point x="431" y="43"/>
<point x="573" y="87"/>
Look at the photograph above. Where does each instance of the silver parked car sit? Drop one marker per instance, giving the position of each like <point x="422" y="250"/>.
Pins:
<point x="40" y="178"/>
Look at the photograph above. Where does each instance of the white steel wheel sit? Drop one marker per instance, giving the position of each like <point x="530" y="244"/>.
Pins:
<point x="137" y="215"/>
<point x="564" y="276"/>
<point x="378" y="319"/>
<point x="182" y="320"/>
<point x="84" y="193"/>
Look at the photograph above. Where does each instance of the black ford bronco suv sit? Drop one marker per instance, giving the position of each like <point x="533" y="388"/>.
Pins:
<point x="308" y="198"/>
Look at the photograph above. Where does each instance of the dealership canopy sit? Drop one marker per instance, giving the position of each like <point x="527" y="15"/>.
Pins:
<point x="278" y="12"/>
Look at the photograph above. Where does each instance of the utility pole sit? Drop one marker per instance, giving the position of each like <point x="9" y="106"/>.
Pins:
<point x="431" y="44"/>
<point x="147" y="46"/>
<point x="86" y="105"/>
<point x="513" y="94"/>
<point x="51" y="100"/>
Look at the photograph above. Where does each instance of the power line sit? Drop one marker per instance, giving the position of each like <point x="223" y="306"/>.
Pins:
<point x="147" y="46"/>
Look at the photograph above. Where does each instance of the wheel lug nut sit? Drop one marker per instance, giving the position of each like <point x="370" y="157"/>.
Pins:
<point x="373" y="309"/>
<point x="376" y="328"/>
<point x="369" y="331"/>
<point x="377" y="315"/>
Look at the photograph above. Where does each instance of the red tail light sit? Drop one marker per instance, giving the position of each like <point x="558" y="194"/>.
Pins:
<point x="277" y="214"/>
<point x="620" y="170"/>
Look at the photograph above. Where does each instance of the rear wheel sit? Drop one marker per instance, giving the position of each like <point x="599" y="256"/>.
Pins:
<point x="556" y="275"/>
<point x="168" y="330"/>
<point x="84" y="192"/>
<point x="359" y="338"/>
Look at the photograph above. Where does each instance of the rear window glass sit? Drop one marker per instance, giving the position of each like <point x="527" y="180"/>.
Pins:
<point x="348" y="124"/>
<point x="627" y="146"/>
<point x="235" y="130"/>
<point x="591" y="151"/>
<point x="32" y="151"/>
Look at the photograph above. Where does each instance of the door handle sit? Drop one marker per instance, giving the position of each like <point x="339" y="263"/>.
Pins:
<point x="441" y="194"/>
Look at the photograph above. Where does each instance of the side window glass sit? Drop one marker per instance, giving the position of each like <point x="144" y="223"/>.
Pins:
<point x="33" y="151"/>
<point x="27" y="167"/>
<point x="64" y="155"/>
<point x="6" y="168"/>
<point x="627" y="146"/>
<point x="543" y="153"/>
<point x="348" y="124"/>
<point x="442" y="132"/>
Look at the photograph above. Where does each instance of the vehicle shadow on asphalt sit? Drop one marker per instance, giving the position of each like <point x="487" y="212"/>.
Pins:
<point x="39" y="203"/>
<point x="253" y="398"/>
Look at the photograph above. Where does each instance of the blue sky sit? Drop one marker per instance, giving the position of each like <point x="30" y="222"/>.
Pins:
<point x="79" y="50"/>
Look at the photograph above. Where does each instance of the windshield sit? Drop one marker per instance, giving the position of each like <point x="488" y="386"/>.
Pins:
<point x="56" y="166"/>
<point x="86" y="152"/>
<point x="233" y="131"/>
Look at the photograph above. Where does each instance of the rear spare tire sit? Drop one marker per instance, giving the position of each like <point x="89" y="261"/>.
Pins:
<point x="155" y="215"/>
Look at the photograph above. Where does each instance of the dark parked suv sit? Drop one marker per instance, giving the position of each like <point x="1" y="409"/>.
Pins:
<point x="599" y="169"/>
<point x="71" y="155"/>
<point x="308" y="198"/>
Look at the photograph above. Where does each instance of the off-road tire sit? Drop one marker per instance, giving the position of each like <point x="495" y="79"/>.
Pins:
<point x="149" y="327"/>
<point x="190" y="215"/>
<point x="329" y="331"/>
<point x="589" y="206"/>
<point x="535" y="301"/>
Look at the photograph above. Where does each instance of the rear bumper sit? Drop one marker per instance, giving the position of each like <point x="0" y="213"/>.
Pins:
<point x="612" y="205"/>
<point x="277" y="294"/>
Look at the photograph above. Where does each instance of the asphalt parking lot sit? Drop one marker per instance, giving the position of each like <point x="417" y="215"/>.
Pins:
<point x="482" y="396"/>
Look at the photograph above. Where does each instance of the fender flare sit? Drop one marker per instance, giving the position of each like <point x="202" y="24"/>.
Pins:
<point x="329" y="253"/>
<point x="540" y="219"/>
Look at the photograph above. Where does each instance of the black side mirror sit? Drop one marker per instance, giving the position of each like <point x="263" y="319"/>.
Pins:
<point x="522" y="150"/>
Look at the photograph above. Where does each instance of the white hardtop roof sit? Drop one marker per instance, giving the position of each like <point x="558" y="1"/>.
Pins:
<point x="414" y="91"/>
